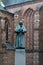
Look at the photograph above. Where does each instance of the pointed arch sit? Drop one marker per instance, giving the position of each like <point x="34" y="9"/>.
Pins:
<point x="28" y="21"/>
<point x="6" y="27"/>
<point x="29" y="9"/>
<point x="40" y="8"/>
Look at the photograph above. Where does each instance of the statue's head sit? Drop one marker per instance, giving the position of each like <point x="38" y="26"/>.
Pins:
<point x="21" y="22"/>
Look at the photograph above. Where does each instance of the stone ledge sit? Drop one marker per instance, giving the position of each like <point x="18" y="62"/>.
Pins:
<point x="33" y="51"/>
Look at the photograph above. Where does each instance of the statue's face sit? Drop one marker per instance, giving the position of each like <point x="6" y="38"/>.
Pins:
<point x="21" y="23"/>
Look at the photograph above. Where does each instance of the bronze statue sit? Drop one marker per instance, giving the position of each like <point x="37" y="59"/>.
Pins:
<point x="20" y="38"/>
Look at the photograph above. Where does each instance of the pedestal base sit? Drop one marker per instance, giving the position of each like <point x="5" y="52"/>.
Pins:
<point x="20" y="57"/>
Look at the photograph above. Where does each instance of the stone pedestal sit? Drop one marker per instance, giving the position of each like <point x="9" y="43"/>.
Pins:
<point x="20" y="57"/>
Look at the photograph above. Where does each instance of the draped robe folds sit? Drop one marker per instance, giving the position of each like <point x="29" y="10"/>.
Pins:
<point x="20" y="38"/>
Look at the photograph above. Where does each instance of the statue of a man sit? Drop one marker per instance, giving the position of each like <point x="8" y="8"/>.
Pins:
<point x="20" y="38"/>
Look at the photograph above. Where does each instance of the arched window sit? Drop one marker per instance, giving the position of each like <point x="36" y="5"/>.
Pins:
<point x="6" y="28"/>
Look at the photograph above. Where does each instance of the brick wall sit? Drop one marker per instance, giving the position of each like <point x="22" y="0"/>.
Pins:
<point x="8" y="57"/>
<point x="27" y="13"/>
<point x="41" y="36"/>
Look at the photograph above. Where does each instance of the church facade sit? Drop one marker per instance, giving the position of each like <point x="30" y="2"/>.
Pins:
<point x="31" y="12"/>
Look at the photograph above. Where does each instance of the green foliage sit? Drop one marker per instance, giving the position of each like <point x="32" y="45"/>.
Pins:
<point x="0" y="1"/>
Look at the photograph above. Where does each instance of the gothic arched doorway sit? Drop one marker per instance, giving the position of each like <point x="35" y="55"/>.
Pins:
<point x="28" y="17"/>
<point x="29" y="23"/>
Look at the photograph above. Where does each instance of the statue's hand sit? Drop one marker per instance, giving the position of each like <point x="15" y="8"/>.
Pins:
<point x="20" y="30"/>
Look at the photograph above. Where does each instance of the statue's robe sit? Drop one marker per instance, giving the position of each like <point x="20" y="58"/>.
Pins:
<point x="20" y="38"/>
